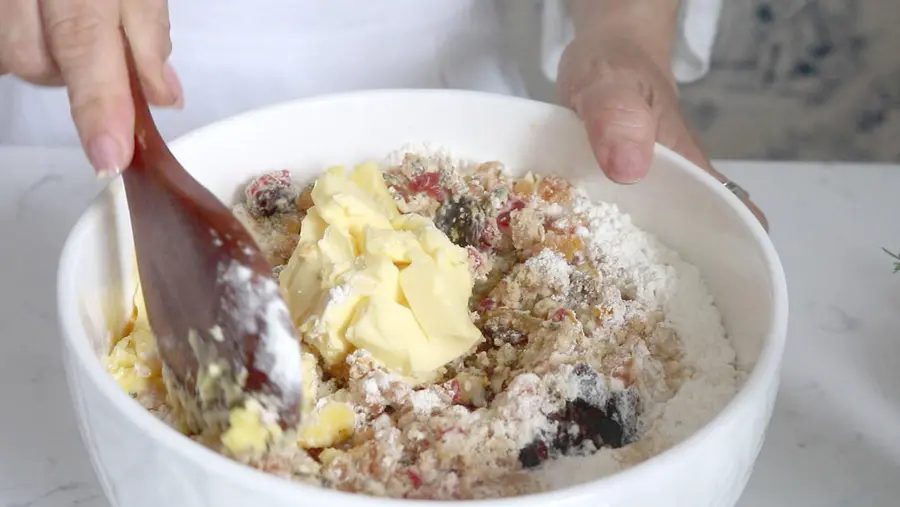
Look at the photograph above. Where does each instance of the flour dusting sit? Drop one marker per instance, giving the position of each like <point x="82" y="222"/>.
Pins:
<point x="600" y="348"/>
<point x="278" y="353"/>
<point x="654" y="274"/>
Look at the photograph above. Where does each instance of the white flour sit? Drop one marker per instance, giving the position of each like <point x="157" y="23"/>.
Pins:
<point x="279" y="352"/>
<point x="596" y="335"/>
<point x="658" y="276"/>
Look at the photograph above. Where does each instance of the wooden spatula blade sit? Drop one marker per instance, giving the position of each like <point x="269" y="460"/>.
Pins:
<point x="223" y="329"/>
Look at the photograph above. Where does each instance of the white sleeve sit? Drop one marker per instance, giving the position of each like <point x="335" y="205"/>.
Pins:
<point x="690" y="54"/>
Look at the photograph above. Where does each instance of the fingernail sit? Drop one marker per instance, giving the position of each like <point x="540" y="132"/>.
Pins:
<point x="626" y="164"/>
<point x="171" y="79"/>
<point x="105" y="155"/>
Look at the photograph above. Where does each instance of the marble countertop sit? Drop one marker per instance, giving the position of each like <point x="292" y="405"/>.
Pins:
<point x="833" y="440"/>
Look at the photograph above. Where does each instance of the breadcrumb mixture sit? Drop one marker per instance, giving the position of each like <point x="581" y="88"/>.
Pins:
<point x="601" y="347"/>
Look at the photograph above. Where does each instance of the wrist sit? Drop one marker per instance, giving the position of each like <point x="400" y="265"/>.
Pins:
<point x="649" y="26"/>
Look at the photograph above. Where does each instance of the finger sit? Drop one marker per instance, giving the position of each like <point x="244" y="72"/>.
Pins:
<point x="675" y="133"/>
<point x="85" y="40"/>
<point x="146" y="23"/>
<point x="23" y="50"/>
<point x="621" y="128"/>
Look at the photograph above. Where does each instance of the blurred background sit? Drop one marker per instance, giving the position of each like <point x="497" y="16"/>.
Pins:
<point x="789" y="80"/>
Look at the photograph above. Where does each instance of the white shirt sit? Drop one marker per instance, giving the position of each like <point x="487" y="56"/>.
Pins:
<point x="232" y="57"/>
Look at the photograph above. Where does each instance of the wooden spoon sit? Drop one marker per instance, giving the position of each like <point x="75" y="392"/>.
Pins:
<point x="223" y="331"/>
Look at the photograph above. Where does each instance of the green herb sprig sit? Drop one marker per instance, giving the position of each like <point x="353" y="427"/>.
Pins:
<point x="896" y="258"/>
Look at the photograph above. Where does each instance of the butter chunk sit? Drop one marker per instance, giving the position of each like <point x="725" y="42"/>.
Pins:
<point x="365" y="276"/>
<point x="133" y="360"/>
<point x="338" y="254"/>
<point x="368" y="176"/>
<point x="343" y="204"/>
<point x="327" y="456"/>
<point x="313" y="226"/>
<point x="431" y="240"/>
<point x="439" y="304"/>
<point x="395" y="245"/>
<point x="332" y="424"/>
<point x="389" y="331"/>
<point x="310" y="382"/>
<point x="301" y="280"/>
<point x="411" y="222"/>
<point x="382" y="277"/>
<point x="247" y="432"/>
<point x="325" y="328"/>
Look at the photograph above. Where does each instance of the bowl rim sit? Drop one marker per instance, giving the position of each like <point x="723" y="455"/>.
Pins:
<point x="75" y="338"/>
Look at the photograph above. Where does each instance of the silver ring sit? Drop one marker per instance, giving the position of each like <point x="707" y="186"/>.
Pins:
<point x="736" y="189"/>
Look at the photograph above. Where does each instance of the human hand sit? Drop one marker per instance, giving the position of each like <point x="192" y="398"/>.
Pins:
<point x="78" y="44"/>
<point x="628" y="100"/>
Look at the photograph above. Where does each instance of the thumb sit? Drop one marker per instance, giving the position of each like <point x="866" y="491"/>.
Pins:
<point x="622" y="129"/>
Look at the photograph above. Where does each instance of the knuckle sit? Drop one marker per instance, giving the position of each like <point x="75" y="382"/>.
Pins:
<point x="73" y="36"/>
<point x="623" y="113"/>
<point x="27" y="61"/>
<point x="157" y="52"/>
<point x="163" y="45"/>
<point x="166" y="44"/>
<point x="148" y="26"/>
<point x="84" y="106"/>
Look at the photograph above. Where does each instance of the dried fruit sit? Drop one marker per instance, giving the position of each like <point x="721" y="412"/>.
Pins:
<point x="451" y="387"/>
<point x="292" y="225"/>
<point x="560" y="315"/>
<point x="271" y="193"/>
<point x="534" y="454"/>
<point x="555" y="189"/>
<point x="462" y="220"/>
<point x="525" y="186"/>
<point x="505" y="218"/>
<point x="414" y="479"/>
<point x="606" y="419"/>
<point x="429" y="183"/>
<point x="476" y="258"/>
<point x="305" y="200"/>
<point x="570" y="245"/>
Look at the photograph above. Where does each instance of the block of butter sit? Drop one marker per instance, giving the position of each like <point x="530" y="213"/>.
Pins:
<point x="365" y="276"/>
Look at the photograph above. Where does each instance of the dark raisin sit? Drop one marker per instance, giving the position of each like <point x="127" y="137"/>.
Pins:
<point x="596" y="424"/>
<point x="499" y="330"/>
<point x="533" y="454"/>
<point x="462" y="220"/>
<point x="276" y="271"/>
<point x="623" y="408"/>
<point x="611" y="424"/>
<point x="269" y="201"/>
<point x="511" y="336"/>
<point x="271" y="193"/>
<point x="605" y="419"/>
<point x="581" y="421"/>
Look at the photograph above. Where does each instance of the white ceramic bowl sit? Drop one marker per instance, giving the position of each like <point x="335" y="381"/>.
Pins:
<point x="142" y="462"/>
